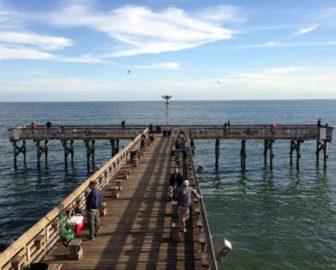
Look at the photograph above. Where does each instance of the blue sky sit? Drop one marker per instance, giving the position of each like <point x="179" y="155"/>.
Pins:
<point x="193" y="50"/>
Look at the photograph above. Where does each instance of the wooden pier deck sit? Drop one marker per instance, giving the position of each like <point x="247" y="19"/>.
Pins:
<point x="136" y="233"/>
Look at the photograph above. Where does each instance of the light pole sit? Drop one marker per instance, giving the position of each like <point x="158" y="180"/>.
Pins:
<point x="166" y="98"/>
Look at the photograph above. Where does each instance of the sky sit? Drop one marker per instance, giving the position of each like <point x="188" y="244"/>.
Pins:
<point x="110" y="50"/>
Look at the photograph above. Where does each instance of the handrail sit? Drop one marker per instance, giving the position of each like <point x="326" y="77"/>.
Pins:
<point x="260" y="131"/>
<point x="206" y="228"/>
<point x="40" y="238"/>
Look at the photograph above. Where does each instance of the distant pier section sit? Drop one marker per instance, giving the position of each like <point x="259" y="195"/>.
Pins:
<point x="68" y="134"/>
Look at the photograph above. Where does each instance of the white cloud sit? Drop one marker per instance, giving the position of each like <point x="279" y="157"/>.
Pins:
<point x="275" y="83"/>
<point x="282" y="70"/>
<point x="87" y="58"/>
<point x="44" y="42"/>
<point x="167" y="65"/>
<point x="142" y="30"/>
<point x="223" y="14"/>
<point x="306" y="30"/>
<point x="22" y="53"/>
<point x="275" y="44"/>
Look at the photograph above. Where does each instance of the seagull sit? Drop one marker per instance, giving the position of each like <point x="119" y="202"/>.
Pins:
<point x="218" y="82"/>
<point x="129" y="71"/>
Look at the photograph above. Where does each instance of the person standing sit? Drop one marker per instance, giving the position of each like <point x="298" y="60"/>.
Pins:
<point x="176" y="179"/>
<point x="142" y="142"/>
<point x="184" y="202"/>
<point x="319" y="122"/>
<point x="175" y="182"/>
<point x="48" y="126"/>
<point x="93" y="204"/>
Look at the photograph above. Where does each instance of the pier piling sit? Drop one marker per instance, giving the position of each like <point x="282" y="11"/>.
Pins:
<point x="17" y="150"/>
<point x="90" y="153"/>
<point x="295" y="146"/>
<point x="268" y="146"/>
<point x="217" y="154"/>
<point x="243" y="154"/>
<point x="40" y="150"/>
<point x="68" y="150"/>
<point x="321" y="145"/>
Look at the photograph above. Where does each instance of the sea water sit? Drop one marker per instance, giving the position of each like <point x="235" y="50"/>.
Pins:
<point x="279" y="219"/>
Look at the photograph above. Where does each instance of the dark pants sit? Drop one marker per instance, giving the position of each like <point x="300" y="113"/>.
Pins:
<point x="93" y="221"/>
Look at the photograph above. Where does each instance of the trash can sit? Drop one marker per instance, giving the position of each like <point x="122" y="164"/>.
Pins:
<point x="37" y="266"/>
<point x="133" y="155"/>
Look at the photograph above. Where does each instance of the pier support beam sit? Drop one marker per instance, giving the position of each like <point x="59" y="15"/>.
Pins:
<point x="295" y="146"/>
<point x="321" y="145"/>
<point x="268" y="146"/>
<point x="17" y="150"/>
<point x="243" y="154"/>
<point x="40" y="150"/>
<point x="90" y="154"/>
<point x="68" y="150"/>
<point x="115" y="146"/>
<point x="217" y="154"/>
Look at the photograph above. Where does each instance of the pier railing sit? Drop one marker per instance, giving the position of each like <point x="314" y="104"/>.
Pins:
<point x="74" y="132"/>
<point x="208" y="247"/>
<point x="280" y="132"/>
<point x="33" y="245"/>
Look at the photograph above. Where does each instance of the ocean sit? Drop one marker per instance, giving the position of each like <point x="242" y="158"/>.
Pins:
<point x="279" y="219"/>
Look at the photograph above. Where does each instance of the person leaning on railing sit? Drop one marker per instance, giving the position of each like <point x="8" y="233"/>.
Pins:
<point x="184" y="202"/>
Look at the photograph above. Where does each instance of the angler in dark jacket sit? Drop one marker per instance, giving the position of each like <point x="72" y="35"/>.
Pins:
<point x="176" y="179"/>
<point x="93" y="204"/>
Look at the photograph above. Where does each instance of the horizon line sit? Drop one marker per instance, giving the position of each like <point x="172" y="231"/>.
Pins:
<point x="156" y="100"/>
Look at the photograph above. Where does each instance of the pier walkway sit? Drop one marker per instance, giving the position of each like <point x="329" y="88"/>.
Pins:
<point x="136" y="233"/>
<point x="138" y="223"/>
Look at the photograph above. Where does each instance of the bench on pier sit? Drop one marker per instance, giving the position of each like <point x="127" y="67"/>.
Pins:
<point x="75" y="249"/>
<point x="115" y="192"/>
<point x="39" y="241"/>
<point x="18" y="262"/>
<point x="55" y="266"/>
<point x="124" y="174"/>
<point x="118" y="183"/>
<point x="103" y="210"/>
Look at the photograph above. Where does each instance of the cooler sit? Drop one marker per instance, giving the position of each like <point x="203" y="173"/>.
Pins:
<point x="76" y="223"/>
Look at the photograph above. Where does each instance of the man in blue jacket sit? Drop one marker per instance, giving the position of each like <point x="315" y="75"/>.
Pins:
<point x="93" y="204"/>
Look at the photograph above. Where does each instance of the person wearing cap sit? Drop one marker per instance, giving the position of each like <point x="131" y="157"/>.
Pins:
<point x="93" y="204"/>
<point x="176" y="179"/>
<point x="175" y="182"/>
<point x="184" y="202"/>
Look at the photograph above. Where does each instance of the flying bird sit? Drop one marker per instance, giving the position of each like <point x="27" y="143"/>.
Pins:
<point x="129" y="71"/>
<point x="218" y="82"/>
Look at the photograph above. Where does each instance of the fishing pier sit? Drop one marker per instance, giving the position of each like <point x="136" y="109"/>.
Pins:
<point x="67" y="135"/>
<point x="138" y="221"/>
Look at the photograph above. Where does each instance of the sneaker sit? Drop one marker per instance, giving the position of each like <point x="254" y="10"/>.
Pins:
<point x="89" y="238"/>
<point x="96" y="234"/>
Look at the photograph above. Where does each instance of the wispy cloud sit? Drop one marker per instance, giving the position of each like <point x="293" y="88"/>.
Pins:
<point x="23" y="53"/>
<point x="87" y="58"/>
<point x="44" y="42"/>
<point x="141" y="30"/>
<point x="282" y="70"/>
<point x="276" y="44"/>
<point x="167" y="65"/>
<point x="306" y="30"/>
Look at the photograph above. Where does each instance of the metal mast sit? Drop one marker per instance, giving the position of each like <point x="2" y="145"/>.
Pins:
<point x="166" y="98"/>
